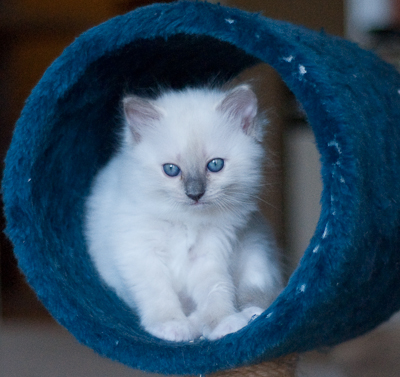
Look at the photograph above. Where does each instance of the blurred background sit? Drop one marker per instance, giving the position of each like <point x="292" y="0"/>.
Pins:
<point x="34" y="32"/>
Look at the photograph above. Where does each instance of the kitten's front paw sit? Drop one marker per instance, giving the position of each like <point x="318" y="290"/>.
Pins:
<point x="177" y="330"/>
<point x="228" y="325"/>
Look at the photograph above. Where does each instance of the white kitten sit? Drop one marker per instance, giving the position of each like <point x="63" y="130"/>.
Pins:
<point x="172" y="220"/>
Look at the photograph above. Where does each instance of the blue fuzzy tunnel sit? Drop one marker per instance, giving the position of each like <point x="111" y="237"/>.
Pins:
<point x="348" y="281"/>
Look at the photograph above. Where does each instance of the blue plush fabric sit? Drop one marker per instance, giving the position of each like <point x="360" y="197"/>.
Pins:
<point x="348" y="281"/>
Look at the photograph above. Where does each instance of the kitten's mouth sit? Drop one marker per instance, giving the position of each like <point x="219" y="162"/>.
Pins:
<point x="198" y="204"/>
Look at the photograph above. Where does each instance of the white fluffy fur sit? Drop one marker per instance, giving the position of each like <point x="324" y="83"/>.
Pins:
<point x="189" y="267"/>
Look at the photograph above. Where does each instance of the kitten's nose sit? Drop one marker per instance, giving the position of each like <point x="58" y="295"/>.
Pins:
<point x="195" y="187"/>
<point x="195" y="197"/>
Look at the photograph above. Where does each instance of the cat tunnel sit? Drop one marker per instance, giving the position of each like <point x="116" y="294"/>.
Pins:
<point x="348" y="281"/>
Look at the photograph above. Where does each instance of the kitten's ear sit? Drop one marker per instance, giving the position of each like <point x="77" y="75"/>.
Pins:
<point x="139" y="113"/>
<point x="241" y="102"/>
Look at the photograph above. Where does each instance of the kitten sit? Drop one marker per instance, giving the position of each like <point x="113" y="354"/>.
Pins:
<point x="172" y="220"/>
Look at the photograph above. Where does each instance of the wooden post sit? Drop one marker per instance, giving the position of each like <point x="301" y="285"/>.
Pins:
<point x="282" y="367"/>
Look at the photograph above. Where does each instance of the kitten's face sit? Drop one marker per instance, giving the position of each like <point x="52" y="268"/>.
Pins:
<point x="194" y="156"/>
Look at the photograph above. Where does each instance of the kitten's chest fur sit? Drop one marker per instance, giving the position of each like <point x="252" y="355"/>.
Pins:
<point x="188" y="248"/>
<point x="179" y="254"/>
<point x="184" y="245"/>
<point x="180" y="247"/>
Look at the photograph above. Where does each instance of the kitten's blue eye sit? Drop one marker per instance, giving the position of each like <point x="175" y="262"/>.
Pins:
<point x="215" y="165"/>
<point x="171" y="170"/>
